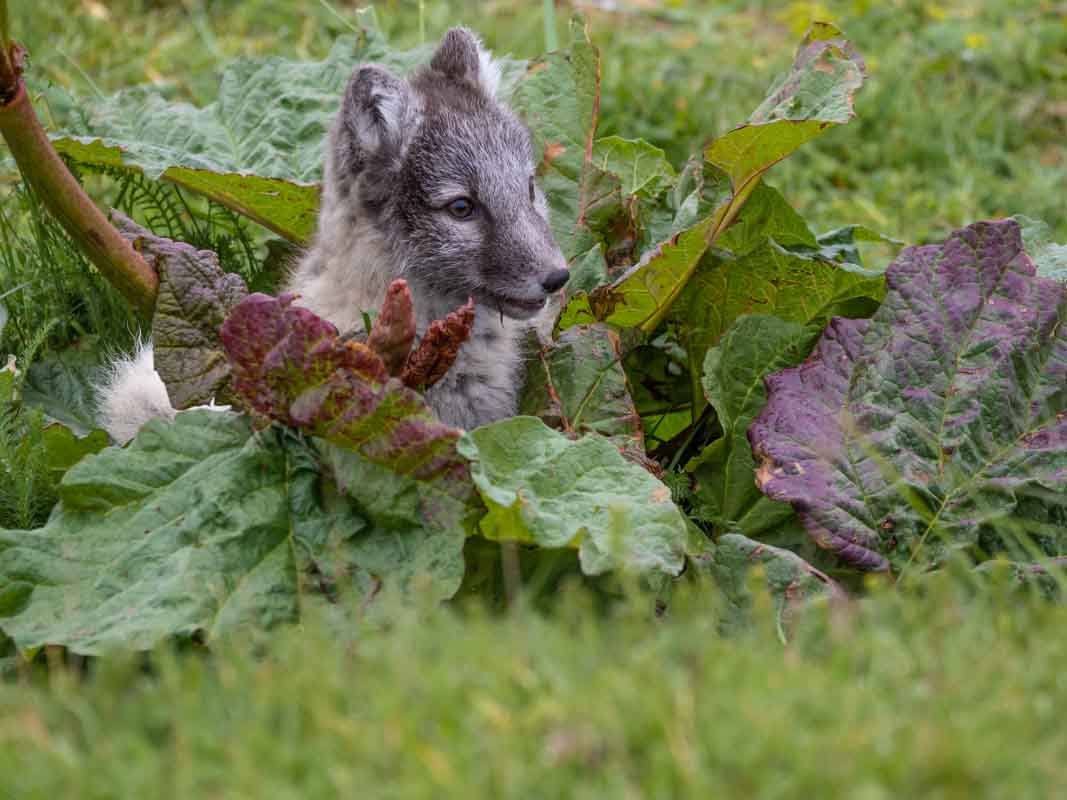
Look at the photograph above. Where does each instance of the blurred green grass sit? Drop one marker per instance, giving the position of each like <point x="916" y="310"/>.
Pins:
<point x="964" y="116"/>
<point x="898" y="697"/>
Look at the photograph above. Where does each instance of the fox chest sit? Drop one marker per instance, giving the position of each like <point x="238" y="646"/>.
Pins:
<point x="483" y="385"/>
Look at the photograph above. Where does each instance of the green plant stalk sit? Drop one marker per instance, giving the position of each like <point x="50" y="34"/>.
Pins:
<point x="551" y="40"/>
<point x="68" y="203"/>
<point x="696" y="387"/>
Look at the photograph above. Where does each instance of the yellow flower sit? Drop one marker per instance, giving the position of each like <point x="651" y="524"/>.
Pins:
<point x="976" y="41"/>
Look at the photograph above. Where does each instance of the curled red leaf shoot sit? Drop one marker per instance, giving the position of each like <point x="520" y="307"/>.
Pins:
<point x="437" y="351"/>
<point x="394" y="330"/>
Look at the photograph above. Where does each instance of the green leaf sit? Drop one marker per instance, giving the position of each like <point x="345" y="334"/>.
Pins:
<point x="194" y="298"/>
<point x="642" y="168"/>
<point x="284" y="206"/>
<point x="773" y="265"/>
<point x="767" y="214"/>
<point x="842" y="246"/>
<point x="816" y="95"/>
<point x="416" y="530"/>
<point x="187" y="530"/>
<point x="588" y="271"/>
<point x="558" y="100"/>
<point x="767" y="280"/>
<point x="628" y="302"/>
<point x="1049" y="258"/>
<point x="62" y="385"/>
<point x="578" y="385"/>
<point x="205" y="527"/>
<point x="734" y="369"/>
<point x="63" y="448"/>
<point x="789" y="578"/>
<point x="542" y="487"/>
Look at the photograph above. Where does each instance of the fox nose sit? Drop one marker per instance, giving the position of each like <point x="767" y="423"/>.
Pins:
<point x="555" y="280"/>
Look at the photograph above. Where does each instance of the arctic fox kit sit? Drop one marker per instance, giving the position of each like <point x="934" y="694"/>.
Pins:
<point x="430" y="179"/>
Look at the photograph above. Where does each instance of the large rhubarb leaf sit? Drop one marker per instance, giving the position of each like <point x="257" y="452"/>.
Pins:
<point x="642" y="168"/>
<point x="767" y="280"/>
<point x="190" y="529"/>
<point x="285" y="206"/>
<point x="63" y="448"/>
<point x="544" y="488"/>
<point x="195" y="296"/>
<point x="754" y="347"/>
<point x="416" y="527"/>
<point x="939" y="424"/>
<point x="816" y="95"/>
<point x="202" y="527"/>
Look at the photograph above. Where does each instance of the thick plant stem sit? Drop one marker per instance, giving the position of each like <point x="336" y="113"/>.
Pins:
<point x="65" y="199"/>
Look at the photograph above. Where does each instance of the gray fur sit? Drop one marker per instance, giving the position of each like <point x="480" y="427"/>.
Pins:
<point x="398" y="153"/>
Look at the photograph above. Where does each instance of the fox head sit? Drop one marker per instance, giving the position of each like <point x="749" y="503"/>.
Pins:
<point x="444" y="173"/>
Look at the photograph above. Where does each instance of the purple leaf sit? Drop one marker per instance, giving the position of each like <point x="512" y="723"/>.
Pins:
<point x="940" y="423"/>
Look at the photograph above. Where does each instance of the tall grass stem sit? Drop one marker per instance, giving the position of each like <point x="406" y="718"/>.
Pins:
<point x="551" y="40"/>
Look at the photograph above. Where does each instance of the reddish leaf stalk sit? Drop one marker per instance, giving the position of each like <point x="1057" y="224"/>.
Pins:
<point x="394" y="330"/>
<point x="64" y="197"/>
<point x="437" y="351"/>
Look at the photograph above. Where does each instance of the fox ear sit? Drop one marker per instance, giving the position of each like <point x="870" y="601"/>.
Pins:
<point x="461" y="57"/>
<point x="377" y="116"/>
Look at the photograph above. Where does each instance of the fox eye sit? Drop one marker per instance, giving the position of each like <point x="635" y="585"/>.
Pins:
<point x="461" y="207"/>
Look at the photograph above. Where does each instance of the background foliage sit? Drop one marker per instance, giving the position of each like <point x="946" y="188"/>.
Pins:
<point x="963" y="118"/>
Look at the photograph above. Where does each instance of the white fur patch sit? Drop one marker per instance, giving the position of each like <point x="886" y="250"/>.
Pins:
<point x="488" y="72"/>
<point x="131" y="394"/>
